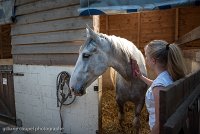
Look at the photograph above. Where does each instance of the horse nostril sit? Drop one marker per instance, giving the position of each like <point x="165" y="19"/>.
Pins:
<point x="81" y="92"/>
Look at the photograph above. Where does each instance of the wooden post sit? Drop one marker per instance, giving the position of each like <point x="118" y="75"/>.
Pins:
<point x="1" y="44"/>
<point x="107" y="30"/>
<point x="96" y="23"/>
<point x="138" y="37"/>
<point x="176" y="24"/>
<point x="162" y="111"/>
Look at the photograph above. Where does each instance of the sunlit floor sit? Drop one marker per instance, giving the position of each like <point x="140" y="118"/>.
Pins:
<point x="110" y="123"/>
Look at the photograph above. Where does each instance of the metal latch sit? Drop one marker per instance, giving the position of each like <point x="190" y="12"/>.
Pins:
<point x="96" y="88"/>
<point x="18" y="74"/>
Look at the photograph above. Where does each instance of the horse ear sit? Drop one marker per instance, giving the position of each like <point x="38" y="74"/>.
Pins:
<point x="87" y="33"/>
<point x="92" y="34"/>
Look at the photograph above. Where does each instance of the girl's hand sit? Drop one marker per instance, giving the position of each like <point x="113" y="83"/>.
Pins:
<point x="136" y="73"/>
<point x="135" y="69"/>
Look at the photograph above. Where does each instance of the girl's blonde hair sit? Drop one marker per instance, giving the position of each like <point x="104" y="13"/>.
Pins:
<point x="169" y="56"/>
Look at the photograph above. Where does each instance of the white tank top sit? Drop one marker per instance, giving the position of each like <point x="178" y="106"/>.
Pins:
<point x="163" y="79"/>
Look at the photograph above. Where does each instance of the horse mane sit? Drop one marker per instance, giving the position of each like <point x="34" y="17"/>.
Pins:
<point x="118" y="45"/>
<point x="121" y="45"/>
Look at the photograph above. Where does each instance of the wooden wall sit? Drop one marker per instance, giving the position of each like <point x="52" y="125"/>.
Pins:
<point x="143" y="27"/>
<point x="5" y="39"/>
<point x="50" y="32"/>
<point x="140" y="28"/>
<point x="47" y="32"/>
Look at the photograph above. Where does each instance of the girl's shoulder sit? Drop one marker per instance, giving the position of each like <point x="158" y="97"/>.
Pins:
<point x="164" y="79"/>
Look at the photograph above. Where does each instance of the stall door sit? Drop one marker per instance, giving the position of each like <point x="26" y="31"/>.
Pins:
<point x="7" y="103"/>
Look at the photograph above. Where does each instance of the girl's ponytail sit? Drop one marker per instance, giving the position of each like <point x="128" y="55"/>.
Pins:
<point x="175" y="65"/>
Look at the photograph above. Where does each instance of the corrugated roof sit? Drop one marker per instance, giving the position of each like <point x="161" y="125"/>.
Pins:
<point x="98" y="7"/>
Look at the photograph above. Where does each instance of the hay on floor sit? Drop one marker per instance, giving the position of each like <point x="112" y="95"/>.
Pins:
<point x="110" y="122"/>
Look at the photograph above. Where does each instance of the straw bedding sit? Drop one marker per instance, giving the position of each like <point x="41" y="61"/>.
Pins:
<point x="110" y="123"/>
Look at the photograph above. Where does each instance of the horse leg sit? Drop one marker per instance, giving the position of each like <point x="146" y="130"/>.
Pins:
<point x="136" y="121"/>
<point x="121" y="116"/>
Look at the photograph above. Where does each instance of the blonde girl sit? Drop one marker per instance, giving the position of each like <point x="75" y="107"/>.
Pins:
<point x="167" y="62"/>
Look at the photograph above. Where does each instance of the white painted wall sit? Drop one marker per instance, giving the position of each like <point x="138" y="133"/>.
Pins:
<point x="36" y="102"/>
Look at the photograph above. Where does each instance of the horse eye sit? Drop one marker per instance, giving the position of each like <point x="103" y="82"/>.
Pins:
<point x="86" y="55"/>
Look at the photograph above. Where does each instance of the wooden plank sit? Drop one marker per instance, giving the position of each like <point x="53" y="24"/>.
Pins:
<point x="6" y="61"/>
<point x="162" y="110"/>
<point x="1" y="44"/>
<point x="128" y="22"/>
<point x="23" y="2"/>
<point x="177" y="120"/>
<point x="175" y="94"/>
<point x="52" y="14"/>
<point x="192" y="35"/>
<point x="107" y="26"/>
<point x="96" y="23"/>
<point x="176" y="24"/>
<point x="156" y="13"/>
<point x="149" y="26"/>
<point x="66" y="47"/>
<point x="48" y="59"/>
<point x="158" y="30"/>
<point x="138" y="29"/>
<point x="157" y="19"/>
<point x="11" y="95"/>
<point x="48" y="26"/>
<point x="127" y="34"/>
<point x="103" y="23"/>
<point x="174" y="97"/>
<point x="190" y="10"/>
<point x="44" y="5"/>
<point x="100" y="90"/>
<point x="157" y="36"/>
<point x="185" y="23"/>
<point x="50" y="37"/>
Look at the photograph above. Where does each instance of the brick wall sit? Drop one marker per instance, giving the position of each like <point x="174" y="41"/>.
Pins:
<point x="36" y="101"/>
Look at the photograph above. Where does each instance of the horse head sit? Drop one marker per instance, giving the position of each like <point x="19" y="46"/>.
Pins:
<point x="92" y="62"/>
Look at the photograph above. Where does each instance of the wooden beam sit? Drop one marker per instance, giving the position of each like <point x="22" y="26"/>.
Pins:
<point x="96" y="23"/>
<point x="50" y="37"/>
<point x="179" y="117"/>
<point x="53" y="14"/>
<point x="176" y="24"/>
<point x="23" y="2"/>
<point x="138" y="30"/>
<point x="107" y="23"/>
<point x="44" y="5"/>
<point x="1" y="43"/>
<point x="47" y="48"/>
<point x="48" y="26"/>
<point x="47" y="59"/>
<point x="190" y="36"/>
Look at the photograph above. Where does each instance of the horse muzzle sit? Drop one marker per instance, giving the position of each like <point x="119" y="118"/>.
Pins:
<point x="79" y="92"/>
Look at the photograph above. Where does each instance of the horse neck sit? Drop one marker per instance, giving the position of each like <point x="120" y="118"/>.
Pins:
<point x="121" y="63"/>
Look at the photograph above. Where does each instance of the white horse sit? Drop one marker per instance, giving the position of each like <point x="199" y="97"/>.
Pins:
<point x="98" y="53"/>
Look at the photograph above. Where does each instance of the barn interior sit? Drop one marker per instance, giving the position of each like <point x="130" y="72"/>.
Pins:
<point x="138" y="27"/>
<point x="141" y="28"/>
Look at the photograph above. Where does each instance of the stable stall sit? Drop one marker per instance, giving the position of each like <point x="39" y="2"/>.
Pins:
<point x="42" y="38"/>
<point x="141" y="22"/>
